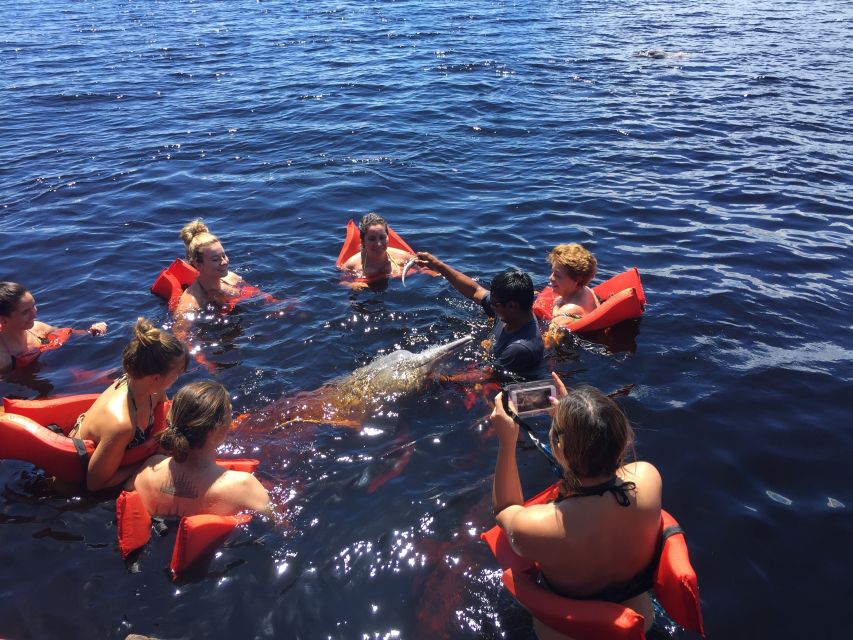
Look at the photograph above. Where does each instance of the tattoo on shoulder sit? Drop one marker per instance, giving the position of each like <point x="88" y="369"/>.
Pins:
<point x="180" y="486"/>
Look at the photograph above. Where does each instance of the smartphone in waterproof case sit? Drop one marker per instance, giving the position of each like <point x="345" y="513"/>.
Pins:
<point x="531" y="398"/>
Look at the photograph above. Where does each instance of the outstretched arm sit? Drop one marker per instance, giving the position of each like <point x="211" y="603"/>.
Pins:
<point x="465" y="285"/>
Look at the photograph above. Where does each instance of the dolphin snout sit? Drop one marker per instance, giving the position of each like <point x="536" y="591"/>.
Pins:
<point x="433" y="356"/>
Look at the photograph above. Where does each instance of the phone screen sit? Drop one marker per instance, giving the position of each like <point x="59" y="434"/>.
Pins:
<point x="532" y="397"/>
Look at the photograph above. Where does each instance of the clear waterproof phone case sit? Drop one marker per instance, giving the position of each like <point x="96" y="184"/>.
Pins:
<point x="531" y="398"/>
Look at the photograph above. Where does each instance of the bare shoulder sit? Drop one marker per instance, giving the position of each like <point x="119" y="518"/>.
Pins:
<point x="147" y="473"/>
<point x="353" y="263"/>
<point x="189" y="301"/>
<point x="42" y="328"/>
<point x="399" y="256"/>
<point x="109" y="417"/>
<point x="648" y="480"/>
<point x="243" y="490"/>
<point x="233" y="279"/>
<point x="156" y="461"/>
<point x="640" y="471"/>
<point x="527" y="527"/>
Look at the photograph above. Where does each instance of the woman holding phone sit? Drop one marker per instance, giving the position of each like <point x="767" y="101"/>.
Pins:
<point x="598" y="540"/>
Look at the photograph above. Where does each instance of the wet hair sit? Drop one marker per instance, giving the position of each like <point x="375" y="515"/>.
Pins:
<point x="368" y="221"/>
<point x="196" y="237"/>
<point x="513" y="286"/>
<point x="10" y="295"/>
<point x="197" y="409"/>
<point x="592" y="433"/>
<point x="152" y="351"/>
<point x="578" y="262"/>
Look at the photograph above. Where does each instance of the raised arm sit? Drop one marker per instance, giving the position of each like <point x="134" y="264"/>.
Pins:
<point x="465" y="285"/>
<point x="507" y="496"/>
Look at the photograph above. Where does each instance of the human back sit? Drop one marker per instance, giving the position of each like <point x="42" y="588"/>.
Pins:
<point x="600" y="539"/>
<point x="591" y="546"/>
<point x="189" y="482"/>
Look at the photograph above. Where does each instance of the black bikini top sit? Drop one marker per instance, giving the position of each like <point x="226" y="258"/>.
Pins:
<point x="619" y="491"/>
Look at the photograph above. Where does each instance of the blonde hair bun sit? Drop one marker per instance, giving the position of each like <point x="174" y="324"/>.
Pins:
<point x="196" y="236"/>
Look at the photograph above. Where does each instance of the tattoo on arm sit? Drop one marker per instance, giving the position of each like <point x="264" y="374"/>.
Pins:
<point x="181" y="486"/>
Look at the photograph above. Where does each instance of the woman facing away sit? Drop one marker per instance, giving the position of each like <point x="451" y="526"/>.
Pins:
<point x="22" y="337"/>
<point x="599" y="540"/>
<point x="572" y="269"/>
<point x="123" y="415"/>
<point x="215" y="284"/>
<point x="189" y="482"/>
<point x="376" y="259"/>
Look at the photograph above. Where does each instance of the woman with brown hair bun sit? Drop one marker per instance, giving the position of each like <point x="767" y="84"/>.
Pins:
<point x="189" y="482"/>
<point x="215" y="284"/>
<point x="123" y="416"/>
<point x="599" y="540"/>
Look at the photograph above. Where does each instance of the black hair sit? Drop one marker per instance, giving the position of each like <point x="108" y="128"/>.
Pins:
<point x="513" y="286"/>
<point x="10" y="295"/>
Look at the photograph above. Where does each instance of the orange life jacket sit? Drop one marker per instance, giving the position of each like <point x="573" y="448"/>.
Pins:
<point x="622" y="298"/>
<point x="198" y="536"/>
<point x="675" y="587"/>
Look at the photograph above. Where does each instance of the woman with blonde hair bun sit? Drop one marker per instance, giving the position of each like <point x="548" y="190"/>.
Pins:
<point x="123" y="416"/>
<point x="215" y="284"/>
<point x="189" y="482"/>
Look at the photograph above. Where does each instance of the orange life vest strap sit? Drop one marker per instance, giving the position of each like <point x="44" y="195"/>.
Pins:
<point x="622" y="298"/>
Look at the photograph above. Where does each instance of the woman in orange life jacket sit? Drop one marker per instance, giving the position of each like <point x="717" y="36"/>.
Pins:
<point x="22" y="337"/>
<point x="189" y="482"/>
<point x="599" y="540"/>
<point x="123" y="416"/>
<point x="215" y="284"/>
<point x="376" y="259"/>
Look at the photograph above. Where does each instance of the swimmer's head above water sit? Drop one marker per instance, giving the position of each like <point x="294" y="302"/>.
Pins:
<point x="154" y="352"/>
<point x="17" y="306"/>
<point x="574" y="261"/>
<point x="198" y="410"/>
<point x="590" y="435"/>
<point x="204" y="250"/>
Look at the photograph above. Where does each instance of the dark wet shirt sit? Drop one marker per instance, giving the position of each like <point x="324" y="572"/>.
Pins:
<point x="520" y="351"/>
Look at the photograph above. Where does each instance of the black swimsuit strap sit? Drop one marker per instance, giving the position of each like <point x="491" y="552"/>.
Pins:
<point x="619" y="491"/>
<point x="139" y="436"/>
<point x="43" y="340"/>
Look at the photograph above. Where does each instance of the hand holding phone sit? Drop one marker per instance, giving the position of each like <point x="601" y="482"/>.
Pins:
<point x="531" y="398"/>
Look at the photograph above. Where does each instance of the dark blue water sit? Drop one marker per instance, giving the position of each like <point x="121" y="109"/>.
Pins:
<point x="706" y="143"/>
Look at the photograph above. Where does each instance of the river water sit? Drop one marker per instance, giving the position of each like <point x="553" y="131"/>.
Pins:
<point x="706" y="143"/>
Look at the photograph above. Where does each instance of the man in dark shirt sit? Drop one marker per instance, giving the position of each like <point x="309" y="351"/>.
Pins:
<point x="517" y="344"/>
